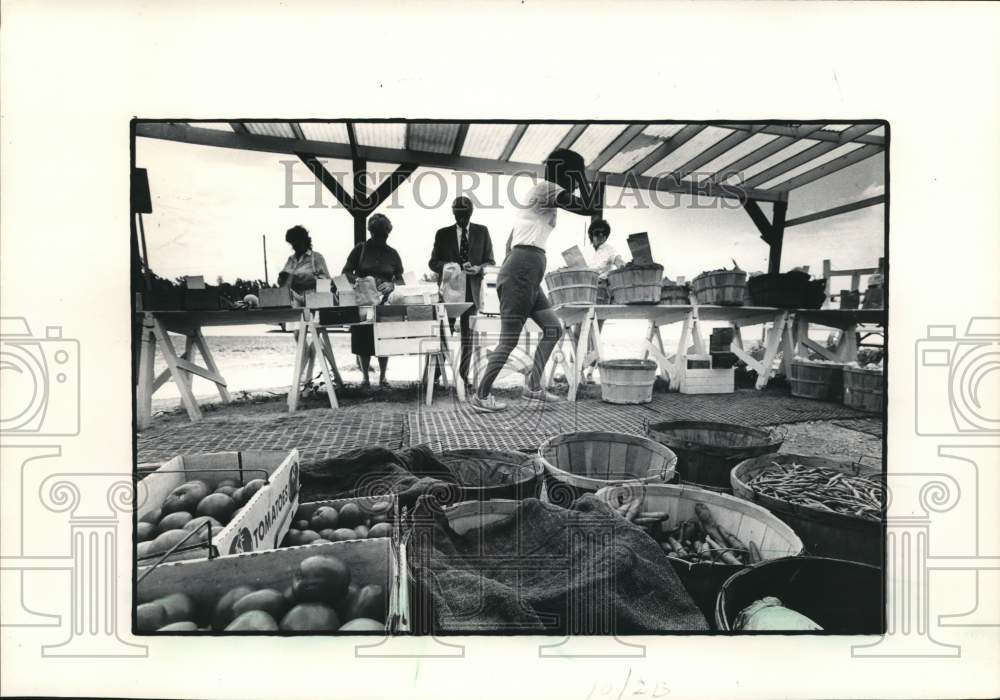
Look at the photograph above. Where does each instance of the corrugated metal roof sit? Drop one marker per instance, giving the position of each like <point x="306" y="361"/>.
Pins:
<point x="487" y="140"/>
<point x="785" y="153"/>
<point x="435" y="138"/>
<point x="279" y="129"/>
<point x="331" y="132"/>
<point x="595" y="138"/>
<point x="380" y="135"/>
<point x="817" y="161"/>
<point x="214" y="126"/>
<point x="706" y="138"/>
<point x="539" y="141"/>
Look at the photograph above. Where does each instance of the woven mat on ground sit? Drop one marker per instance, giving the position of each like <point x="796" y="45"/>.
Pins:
<point x="545" y="570"/>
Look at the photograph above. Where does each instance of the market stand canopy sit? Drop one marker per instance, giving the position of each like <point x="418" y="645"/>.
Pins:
<point x="753" y="163"/>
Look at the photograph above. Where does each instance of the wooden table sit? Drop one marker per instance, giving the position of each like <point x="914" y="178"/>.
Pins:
<point x="797" y="342"/>
<point x="401" y="337"/>
<point x="156" y="329"/>
<point x="583" y="335"/>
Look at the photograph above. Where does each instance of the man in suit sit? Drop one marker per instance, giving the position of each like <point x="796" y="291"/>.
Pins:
<point x="469" y="245"/>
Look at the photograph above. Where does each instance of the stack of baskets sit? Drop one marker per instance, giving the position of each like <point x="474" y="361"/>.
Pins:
<point x="572" y="285"/>
<point x="636" y="284"/>
<point x="720" y="287"/>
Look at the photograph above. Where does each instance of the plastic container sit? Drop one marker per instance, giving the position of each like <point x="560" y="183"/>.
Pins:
<point x="815" y="380"/>
<point x="707" y="452"/>
<point x="584" y="462"/>
<point x="842" y="597"/>
<point x="627" y="381"/>
<point x="824" y="533"/>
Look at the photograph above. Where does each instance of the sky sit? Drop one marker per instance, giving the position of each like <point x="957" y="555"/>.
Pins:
<point x="211" y="207"/>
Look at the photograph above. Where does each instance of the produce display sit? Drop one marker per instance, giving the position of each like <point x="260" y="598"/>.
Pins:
<point x="321" y="598"/>
<point x="770" y="614"/>
<point x="338" y="523"/>
<point x="825" y="489"/>
<point x="188" y="507"/>
<point x="698" y="539"/>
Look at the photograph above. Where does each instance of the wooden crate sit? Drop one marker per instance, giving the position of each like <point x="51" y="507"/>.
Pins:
<point x="695" y="378"/>
<point x="319" y="300"/>
<point x="407" y="337"/>
<point x="271" y="297"/>
<point x="420" y="312"/>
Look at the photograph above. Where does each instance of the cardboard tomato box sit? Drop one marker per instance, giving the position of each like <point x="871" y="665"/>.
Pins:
<point x="374" y="561"/>
<point x="371" y="507"/>
<point x="260" y="524"/>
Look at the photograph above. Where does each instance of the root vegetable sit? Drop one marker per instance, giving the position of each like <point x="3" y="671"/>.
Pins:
<point x="708" y="521"/>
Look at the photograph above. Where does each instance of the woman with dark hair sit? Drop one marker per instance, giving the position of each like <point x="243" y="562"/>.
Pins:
<point x="373" y="258"/>
<point x="520" y="278"/>
<point x="304" y="266"/>
<point x="605" y="257"/>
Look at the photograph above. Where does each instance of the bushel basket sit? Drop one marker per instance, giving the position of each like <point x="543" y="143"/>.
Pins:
<point x="864" y="389"/>
<point x="785" y="290"/>
<point x="492" y="474"/>
<point x="720" y="287"/>
<point x="635" y="284"/>
<point x="627" y="381"/>
<point x="816" y="380"/>
<point x="572" y="286"/>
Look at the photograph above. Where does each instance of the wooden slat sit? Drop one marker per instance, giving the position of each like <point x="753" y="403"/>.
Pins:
<point x="515" y="138"/>
<point x="572" y="135"/>
<point x="843" y="209"/>
<point x="405" y="329"/>
<point x="828" y="168"/>
<point x="709" y="154"/>
<point x="667" y="147"/>
<point x="763" y="152"/>
<point x="613" y="148"/>
<point x="210" y="137"/>
<point x="859" y="135"/>
<point x="297" y="130"/>
<point x="805" y="156"/>
<point x="617" y="457"/>
<point x="463" y="131"/>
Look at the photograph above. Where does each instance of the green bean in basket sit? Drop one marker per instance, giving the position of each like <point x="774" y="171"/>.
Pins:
<point x="821" y="488"/>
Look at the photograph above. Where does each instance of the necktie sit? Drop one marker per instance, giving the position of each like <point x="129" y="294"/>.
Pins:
<point x="463" y="252"/>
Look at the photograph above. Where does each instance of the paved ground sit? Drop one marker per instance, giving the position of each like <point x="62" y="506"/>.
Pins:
<point x="398" y="418"/>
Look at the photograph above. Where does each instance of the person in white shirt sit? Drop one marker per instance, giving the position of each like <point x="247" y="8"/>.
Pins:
<point x="605" y="257"/>
<point x="520" y="277"/>
<point x="304" y="266"/>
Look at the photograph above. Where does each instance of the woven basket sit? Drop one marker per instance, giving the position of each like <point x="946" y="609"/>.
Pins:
<point x="722" y="287"/>
<point x="572" y="286"/>
<point x="627" y="381"/>
<point x="674" y="295"/>
<point x="603" y="295"/>
<point x="864" y="389"/>
<point x="636" y="285"/>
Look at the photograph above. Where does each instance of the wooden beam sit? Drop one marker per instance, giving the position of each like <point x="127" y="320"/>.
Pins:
<point x="463" y="131"/>
<point x="389" y="185"/>
<point x="612" y="149"/>
<point x="326" y="149"/>
<point x="515" y="138"/>
<point x="406" y="136"/>
<point x="777" y="237"/>
<point x="760" y="219"/>
<point x="709" y="154"/>
<point x="239" y="127"/>
<point x="667" y="147"/>
<point x="360" y="212"/>
<point x="572" y="135"/>
<point x="828" y="168"/>
<point x="352" y="140"/>
<point x="859" y="135"/>
<point x="328" y="180"/>
<point x="297" y="130"/>
<point x="842" y="209"/>
<point x="762" y="153"/>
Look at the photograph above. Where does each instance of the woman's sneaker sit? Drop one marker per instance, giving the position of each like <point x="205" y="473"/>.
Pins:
<point x="487" y="405"/>
<point x="539" y="395"/>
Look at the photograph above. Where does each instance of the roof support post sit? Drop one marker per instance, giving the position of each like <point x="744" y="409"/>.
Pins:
<point x="772" y="231"/>
<point x="360" y="210"/>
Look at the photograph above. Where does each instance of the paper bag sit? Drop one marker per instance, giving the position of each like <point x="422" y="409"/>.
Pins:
<point x="574" y="258"/>
<point x="452" y="284"/>
<point x="367" y="292"/>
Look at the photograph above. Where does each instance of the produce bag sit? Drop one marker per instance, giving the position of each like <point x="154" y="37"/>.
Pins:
<point x="452" y="284"/>
<point x="579" y="570"/>
<point x="768" y="614"/>
<point x="367" y="293"/>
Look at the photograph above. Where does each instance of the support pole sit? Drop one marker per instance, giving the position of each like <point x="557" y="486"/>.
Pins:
<point x="360" y="196"/>
<point x="777" y="236"/>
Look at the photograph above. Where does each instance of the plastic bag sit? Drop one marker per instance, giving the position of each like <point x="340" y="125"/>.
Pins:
<point x="452" y="284"/>
<point x="768" y="614"/>
<point x="367" y="292"/>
